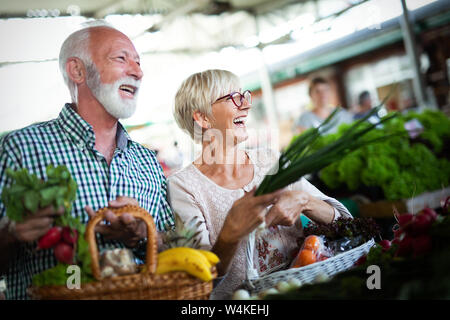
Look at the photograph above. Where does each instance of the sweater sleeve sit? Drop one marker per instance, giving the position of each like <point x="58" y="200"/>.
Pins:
<point x="339" y="209"/>
<point x="184" y="204"/>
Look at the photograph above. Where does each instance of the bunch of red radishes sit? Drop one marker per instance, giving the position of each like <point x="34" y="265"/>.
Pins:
<point x="63" y="240"/>
<point x="412" y="235"/>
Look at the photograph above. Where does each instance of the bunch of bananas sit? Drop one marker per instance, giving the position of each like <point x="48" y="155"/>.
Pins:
<point x="196" y="262"/>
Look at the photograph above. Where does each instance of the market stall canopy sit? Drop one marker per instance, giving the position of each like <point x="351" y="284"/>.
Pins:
<point x="174" y="38"/>
<point x="101" y="8"/>
<point x="192" y="27"/>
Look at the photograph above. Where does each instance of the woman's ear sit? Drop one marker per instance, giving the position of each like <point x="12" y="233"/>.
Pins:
<point x="201" y="120"/>
<point x="75" y="70"/>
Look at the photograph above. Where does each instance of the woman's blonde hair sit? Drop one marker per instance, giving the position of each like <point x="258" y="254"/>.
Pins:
<point x="198" y="92"/>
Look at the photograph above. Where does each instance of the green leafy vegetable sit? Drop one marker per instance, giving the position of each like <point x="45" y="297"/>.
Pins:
<point x="28" y="194"/>
<point x="304" y="155"/>
<point x="401" y="166"/>
<point x="53" y="276"/>
<point x="366" y="228"/>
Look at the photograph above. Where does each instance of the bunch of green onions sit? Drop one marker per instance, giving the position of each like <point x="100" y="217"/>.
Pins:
<point x="299" y="159"/>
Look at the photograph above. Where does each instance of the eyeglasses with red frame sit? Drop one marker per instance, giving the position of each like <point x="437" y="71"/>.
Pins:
<point x="238" y="98"/>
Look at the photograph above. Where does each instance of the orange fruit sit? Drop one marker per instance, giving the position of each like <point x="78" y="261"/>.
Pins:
<point x="304" y="258"/>
<point x="312" y="243"/>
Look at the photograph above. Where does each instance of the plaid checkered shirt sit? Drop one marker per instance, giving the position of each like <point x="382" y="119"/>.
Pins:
<point x="69" y="140"/>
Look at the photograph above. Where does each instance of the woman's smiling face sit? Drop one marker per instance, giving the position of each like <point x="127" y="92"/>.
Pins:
<point x="229" y="119"/>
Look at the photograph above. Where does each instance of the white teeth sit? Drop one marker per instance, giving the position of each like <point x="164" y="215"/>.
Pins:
<point x="127" y="88"/>
<point x="239" y="120"/>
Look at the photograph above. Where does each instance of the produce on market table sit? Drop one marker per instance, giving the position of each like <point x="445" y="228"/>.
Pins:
<point x="410" y="269"/>
<point x="241" y="294"/>
<point x="303" y="156"/>
<point x="280" y="287"/>
<point x="183" y="253"/>
<point x="401" y="167"/>
<point x="412" y="235"/>
<point x="349" y="240"/>
<point x="446" y="205"/>
<point x="327" y="240"/>
<point x="361" y="229"/>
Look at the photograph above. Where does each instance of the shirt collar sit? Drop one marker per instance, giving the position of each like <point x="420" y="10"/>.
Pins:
<point x="122" y="138"/>
<point x="82" y="132"/>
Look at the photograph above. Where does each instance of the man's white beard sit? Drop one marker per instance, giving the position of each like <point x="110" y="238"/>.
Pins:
<point x="108" y="94"/>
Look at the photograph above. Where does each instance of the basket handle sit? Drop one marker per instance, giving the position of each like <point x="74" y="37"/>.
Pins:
<point x="136" y="212"/>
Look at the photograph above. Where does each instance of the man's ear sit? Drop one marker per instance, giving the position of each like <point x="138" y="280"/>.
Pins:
<point x="201" y="120"/>
<point x="75" y="70"/>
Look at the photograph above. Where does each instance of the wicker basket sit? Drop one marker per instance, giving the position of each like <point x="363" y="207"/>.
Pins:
<point x="145" y="285"/>
<point x="307" y="274"/>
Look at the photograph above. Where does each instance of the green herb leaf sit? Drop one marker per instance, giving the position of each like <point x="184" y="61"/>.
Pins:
<point x="31" y="200"/>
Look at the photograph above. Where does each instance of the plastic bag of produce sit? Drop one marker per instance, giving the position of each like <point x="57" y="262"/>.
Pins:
<point x="344" y="244"/>
<point x="117" y="262"/>
<point x="312" y="250"/>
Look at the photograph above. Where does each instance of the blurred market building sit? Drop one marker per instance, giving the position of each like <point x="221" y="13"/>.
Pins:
<point x="399" y="48"/>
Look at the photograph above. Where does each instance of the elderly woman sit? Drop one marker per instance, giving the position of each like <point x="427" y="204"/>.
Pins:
<point x="219" y="186"/>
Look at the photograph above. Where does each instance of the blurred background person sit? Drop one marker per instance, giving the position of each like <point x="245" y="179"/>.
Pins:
<point x="320" y="94"/>
<point x="364" y="107"/>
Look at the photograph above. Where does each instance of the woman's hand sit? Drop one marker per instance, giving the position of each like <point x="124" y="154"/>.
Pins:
<point x="245" y="215"/>
<point x="288" y="208"/>
<point x="124" y="228"/>
<point x="292" y="203"/>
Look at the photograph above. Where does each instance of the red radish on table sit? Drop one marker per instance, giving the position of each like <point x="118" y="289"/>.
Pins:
<point x="421" y="224"/>
<point x="361" y="260"/>
<point x="386" y="244"/>
<point x="430" y="213"/>
<point x="405" y="246"/>
<point x="421" y="244"/>
<point x="398" y="233"/>
<point x="405" y="220"/>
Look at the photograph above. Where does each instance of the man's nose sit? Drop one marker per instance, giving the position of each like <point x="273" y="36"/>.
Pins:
<point x="135" y="70"/>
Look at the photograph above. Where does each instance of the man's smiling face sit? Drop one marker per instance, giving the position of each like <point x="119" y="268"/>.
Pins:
<point x="114" y="78"/>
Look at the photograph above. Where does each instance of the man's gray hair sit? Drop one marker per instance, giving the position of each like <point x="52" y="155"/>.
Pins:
<point x="77" y="45"/>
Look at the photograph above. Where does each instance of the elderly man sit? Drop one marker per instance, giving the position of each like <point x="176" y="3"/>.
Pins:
<point x="102" y="70"/>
